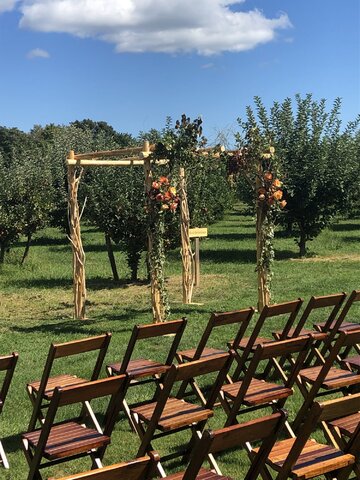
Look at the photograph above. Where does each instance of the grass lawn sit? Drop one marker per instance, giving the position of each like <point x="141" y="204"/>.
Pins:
<point x="36" y="309"/>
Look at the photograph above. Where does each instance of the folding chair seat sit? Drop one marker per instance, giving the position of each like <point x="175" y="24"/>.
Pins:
<point x="327" y="378"/>
<point x="253" y="392"/>
<point x="248" y="345"/>
<point x="315" y="303"/>
<point x="71" y="439"/>
<point x="143" y="468"/>
<point x="41" y="391"/>
<point x="7" y="365"/>
<point x="343" y="325"/>
<point x="170" y="414"/>
<point x="143" y="370"/>
<point x="212" y="442"/>
<point x="240" y="318"/>
<point x="352" y="363"/>
<point x="303" y="458"/>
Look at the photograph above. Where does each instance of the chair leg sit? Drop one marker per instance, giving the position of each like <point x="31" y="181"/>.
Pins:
<point x="3" y="458"/>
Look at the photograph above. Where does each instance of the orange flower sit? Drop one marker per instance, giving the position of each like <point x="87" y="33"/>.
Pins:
<point x="261" y="197"/>
<point x="277" y="183"/>
<point x="268" y="176"/>
<point x="167" y="195"/>
<point x="173" y="207"/>
<point x="278" y="195"/>
<point x="155" y="185"/>
<point x="283" y="203"/>
<point x="164" y="180"/>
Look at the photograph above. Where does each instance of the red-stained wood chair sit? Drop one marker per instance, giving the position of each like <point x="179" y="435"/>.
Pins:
<point x="344" y="423"/>
<point x="344" y="324"/>
<point x="330" y="306"/>
<point x="41" y="391"/>
<point x="71" y="439"/>
<point x="327" y="378"/>
<point x="144" y="370"/>
<point x="143" y="468"/>
<point x="255" y="391"/>
<point x="265" y="429"/>
<point x="170" y="414"/>
<point x="304" y="458"/>
<point x="7" y="365"/>
<point x="248" y="345"/>
<point x="240" y="318"/>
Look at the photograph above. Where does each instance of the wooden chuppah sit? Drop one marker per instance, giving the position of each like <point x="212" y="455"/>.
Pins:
<point x="121" y="158"/>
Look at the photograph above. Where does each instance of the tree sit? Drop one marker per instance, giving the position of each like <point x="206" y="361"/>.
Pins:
<point x="315" y="158"/>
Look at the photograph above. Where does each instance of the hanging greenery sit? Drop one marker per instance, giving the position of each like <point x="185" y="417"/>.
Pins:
<point x="162" y="200"/>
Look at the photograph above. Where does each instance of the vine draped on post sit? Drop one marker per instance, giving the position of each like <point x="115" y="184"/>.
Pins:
<point x="162" y="199"/>
<point x="258" y="164"/>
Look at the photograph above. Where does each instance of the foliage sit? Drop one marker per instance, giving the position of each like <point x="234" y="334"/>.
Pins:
<point x="318" y="164"/>
<point x="116" y="207"/>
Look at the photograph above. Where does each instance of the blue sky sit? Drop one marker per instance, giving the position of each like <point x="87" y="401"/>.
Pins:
<point x="132" y="63"/>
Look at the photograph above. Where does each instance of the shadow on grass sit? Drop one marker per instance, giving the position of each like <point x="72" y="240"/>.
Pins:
<point x="240" y="256"/>
<point x="233" y="236"/>
<point x="350" y="239"/>
<point x="345" y="227"/>
<point x="12" y="443"/>
<point x="44" y="242"/>
<point x="91" y="283"/>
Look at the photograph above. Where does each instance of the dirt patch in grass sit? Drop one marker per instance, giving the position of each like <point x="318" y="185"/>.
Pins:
<point x="330" y="258"/>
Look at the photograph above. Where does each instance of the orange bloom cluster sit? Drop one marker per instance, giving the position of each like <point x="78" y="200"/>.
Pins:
<point x="164" y="195"/>
<point x="271" y="192"/>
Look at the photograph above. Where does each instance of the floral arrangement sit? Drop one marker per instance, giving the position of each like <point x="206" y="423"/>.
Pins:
<point x="163" y="195"/>
<point x="270" y="192"/>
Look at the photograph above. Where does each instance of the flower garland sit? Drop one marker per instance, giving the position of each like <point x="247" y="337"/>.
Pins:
<point x="269" y="197"/>
<point x="162" y="199"/>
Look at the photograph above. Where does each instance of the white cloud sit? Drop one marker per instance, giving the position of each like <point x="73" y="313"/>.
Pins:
<point x="38" y="53"/>
<point x="7" y="5"/>
<point x="172" y="26"/>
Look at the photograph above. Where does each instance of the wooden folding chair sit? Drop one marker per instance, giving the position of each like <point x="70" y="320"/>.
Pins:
<point x="143" y="468"/>
<point x="343" y="420"/>
<point x="315" y="303"/>
<point x="254" y="391"/>
<point x="71" y="439"/>
<point x="170" y="414"/>
<point x="248" y="345"/>
<point x="142" y="371"/>
<point x="304" y="458"/>
<point x="217" y="319"/>
<point x="7" y="365"/>
<point x="344" y="325"/>
<point x="265" y="428"/>
<point x="327" y="378"/>
<point x="41" y="391"/>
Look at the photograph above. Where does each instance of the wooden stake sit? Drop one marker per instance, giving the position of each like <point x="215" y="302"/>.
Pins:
<point x="263" y="291"/>
<point x="186" y="252"/>
<point x="79" y="283"/>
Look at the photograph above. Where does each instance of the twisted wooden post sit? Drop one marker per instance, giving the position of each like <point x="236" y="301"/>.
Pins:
<point x="79" y="282"/>
<point x="186" y="252"/>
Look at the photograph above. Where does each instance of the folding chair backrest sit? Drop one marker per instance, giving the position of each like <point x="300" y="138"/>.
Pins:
<point x="269" y="311"/>
<point x="114" y="387"/>
<point x="339" y="407"/>
<point x="265" y="428"/>
<point x="143" y="332"/>
<point x="219" y="319"/>
<point x="7" y="364"/>
<point x="353" y="297"/>
<point x="325" y="301"/>
<point x="143" y="468"/>
<point x="75" y="347"/>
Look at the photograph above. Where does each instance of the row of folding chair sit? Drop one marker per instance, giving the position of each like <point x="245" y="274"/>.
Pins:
<point x="300" y="457"/>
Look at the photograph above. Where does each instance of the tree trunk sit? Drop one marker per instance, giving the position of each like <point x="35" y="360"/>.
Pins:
<point x="111" y="256"/>
<point x="302" y="243"/>
<point x="2" y="252"/>
<point x="27" y="248"/>
<point x="133" y="262"/>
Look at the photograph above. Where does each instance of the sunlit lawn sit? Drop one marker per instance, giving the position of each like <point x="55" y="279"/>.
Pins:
<point x="36" y="309"/>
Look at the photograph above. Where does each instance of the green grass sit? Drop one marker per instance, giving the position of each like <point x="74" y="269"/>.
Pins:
<point x="36" y="309"/>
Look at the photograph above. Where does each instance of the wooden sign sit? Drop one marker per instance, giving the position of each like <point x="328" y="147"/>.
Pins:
<point x="198" y="232"/>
